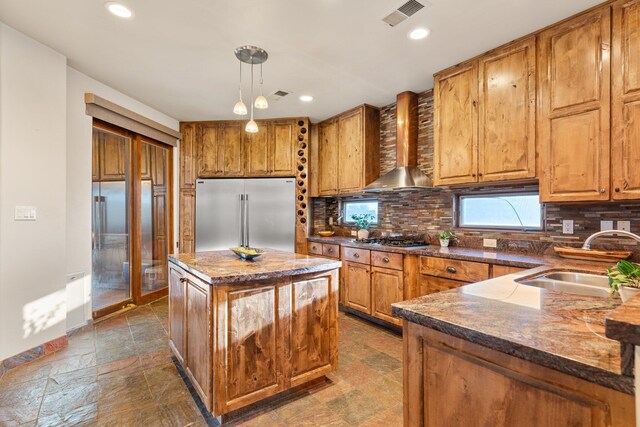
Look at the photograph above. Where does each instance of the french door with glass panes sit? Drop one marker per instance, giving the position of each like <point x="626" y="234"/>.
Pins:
<point x="131" y="220"/>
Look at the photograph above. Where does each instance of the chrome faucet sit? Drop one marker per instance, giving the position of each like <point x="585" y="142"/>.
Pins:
<point x="587" y="243"/>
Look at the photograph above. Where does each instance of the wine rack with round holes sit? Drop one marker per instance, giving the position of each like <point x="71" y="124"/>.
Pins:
<point x="302" y="180"/>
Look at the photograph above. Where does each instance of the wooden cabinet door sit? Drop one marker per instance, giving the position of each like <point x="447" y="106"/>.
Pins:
<point x="257" y="151"/>
<point x="230" y="149"/>
<point x="507" y="95"/>
<point x="282" y="146"/>
<point x="357" y="284"/>
<point x="625" y="100"/>
<point x="199" y="339"/>
<point x="431" y="284"/>
<point x="177" y="315"/>
<point x="187" y="221"/>
<point x="95" y="157"/>
<point x="313" y="313"/>
<point x="187" y="157"/>
<point x="207" y="151"/>
<point x="114" y="157"/>
<point x="456" y="125"/>
<point x="350" y="152"/>
<point x="328" y="158"/>
<point x="145" y="161"/>
<point x="573" y="91"/>
<point x="386" y="288"/>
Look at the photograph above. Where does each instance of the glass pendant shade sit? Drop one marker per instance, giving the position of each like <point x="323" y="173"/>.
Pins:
<point x="261" y="102"/>
<point x="252" y="126"/>
<point x="240" y="109"/>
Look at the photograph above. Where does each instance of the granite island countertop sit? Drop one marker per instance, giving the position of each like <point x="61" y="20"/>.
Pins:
<point x="558" y="330"/>
<point x="224" y="267"/>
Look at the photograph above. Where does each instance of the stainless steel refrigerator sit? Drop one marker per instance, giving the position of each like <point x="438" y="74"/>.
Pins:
<point x="245" y="212"/>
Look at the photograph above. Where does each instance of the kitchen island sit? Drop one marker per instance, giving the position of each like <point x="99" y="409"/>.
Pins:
<point x="244" y="331"/>
<point x="502" y="353"/>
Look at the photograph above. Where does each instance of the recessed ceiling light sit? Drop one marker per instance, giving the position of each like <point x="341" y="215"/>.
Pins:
<point x="306" y="98"/>
<point x="119" y="9"/>
<point x="419" y="33"/>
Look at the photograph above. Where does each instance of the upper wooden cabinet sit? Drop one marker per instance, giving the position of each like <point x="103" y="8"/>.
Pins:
<point x="220" y="150"/>
<point x="257" y="151"/>
<point x="485" y="117"/>
<point x="573" y="92"/>
<point x="456" y="125"/>
<point x="349" y="151"/>
<point x="625" y="100"/>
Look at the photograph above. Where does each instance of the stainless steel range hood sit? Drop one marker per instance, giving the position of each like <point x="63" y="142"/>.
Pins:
<point x="406" y="175"/>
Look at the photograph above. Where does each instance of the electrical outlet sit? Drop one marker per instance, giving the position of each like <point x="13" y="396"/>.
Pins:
<point x="490" y="243"/>
<point x="624" y="225"/>
<point x="606" y="225"/>
<point x="567" y="226"/>
<point x="354" y="233"/>
<point x="330" y="220"/>
<point x="25" y="213"/>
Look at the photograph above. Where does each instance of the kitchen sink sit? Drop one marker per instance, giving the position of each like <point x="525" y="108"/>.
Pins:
<point x="572" y="282"/>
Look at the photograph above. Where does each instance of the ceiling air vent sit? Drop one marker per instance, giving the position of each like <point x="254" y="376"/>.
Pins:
<point x="277" y="95"/>
<point x="408" y="9"/>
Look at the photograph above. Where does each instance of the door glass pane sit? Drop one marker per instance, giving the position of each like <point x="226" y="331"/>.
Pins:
<point x="154" y="171"/>
<point x="110" y="219"/>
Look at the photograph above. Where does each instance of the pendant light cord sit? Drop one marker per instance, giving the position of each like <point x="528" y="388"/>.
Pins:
<point x="240" y="85"/>
<point x="252" y="88"/>
<point x="260" y="79"/>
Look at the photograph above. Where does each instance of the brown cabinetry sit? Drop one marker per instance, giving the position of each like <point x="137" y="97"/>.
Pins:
<point x="625" y="100"/>
<point x="441" y="274"/>
<point x="373" y="280"/>
<point x="485" y="117"/>
<point x="220" y="150"/>
<point x="349" y="151"/>
<point x="573" y="91"/>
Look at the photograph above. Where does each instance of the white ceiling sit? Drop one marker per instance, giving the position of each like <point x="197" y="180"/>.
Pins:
<point x="177" y="56"/>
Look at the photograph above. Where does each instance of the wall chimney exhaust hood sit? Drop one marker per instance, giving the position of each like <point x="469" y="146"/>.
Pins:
<point x="406" y="175"/>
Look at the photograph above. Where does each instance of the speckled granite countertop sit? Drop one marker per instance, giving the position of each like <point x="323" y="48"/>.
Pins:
<point x="224" y="267"/>
<point x="559" y="330"/>
<point x="477" y="255"/>
<point x="623" y="323"/>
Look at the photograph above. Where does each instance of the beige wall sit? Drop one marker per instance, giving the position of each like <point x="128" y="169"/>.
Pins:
<point x="32" y="172"/>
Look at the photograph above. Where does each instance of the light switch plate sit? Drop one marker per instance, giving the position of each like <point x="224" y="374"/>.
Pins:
<point x="606" y="225"/>
<point x="25" y="213"/>
<point x="624" y="225"/>
<point x="490" y="243"/>
<point x="567" y="226"/>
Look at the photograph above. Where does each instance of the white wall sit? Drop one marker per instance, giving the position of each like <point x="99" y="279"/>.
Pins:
<point x="32" y="172"/>
<point x="78" y="238"/>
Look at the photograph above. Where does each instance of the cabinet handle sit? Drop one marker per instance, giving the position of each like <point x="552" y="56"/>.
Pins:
<point x="356" y="255"/>
<point x="602" y="190"/>
<point x="183" y="280"/>
<point x="330" y="250"/>
<point x="314" y="247"/>
<point x="451" y="269"/>
<point x="386" y="259"/>
<point x="479" y="174"/>
<point x="473" y="175"/>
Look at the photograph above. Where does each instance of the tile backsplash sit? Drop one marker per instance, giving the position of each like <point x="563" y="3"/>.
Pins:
<point x="431" y="210"/>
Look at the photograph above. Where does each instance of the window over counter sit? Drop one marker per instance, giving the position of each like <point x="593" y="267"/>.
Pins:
<point x="512" y="211"/>
<point x="359" y="207"/>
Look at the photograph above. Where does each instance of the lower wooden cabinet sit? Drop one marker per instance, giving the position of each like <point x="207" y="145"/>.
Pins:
<point x="357" y="286"/>
<point x="386" y="288"/>
<point x="198" y="363"/>
<point x="431" y="284"/>
<point x="177" y="315"/>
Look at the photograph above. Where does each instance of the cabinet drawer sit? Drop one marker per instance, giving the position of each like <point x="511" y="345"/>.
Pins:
<point x="503" y="270"/>
<point x="465" y="271"/>
<point x="363" y="256"/>
<point x="386" y="260"/>
<point x="314" y="248"/>
<point x="431" y="284"/>
<point x="330" y="250"/>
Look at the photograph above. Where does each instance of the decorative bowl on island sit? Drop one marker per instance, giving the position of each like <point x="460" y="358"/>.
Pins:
<point x="247" y="254"/>
<point x="326" y="233"/>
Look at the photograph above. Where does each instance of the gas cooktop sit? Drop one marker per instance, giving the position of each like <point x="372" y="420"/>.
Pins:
<point x="400" y="241"/>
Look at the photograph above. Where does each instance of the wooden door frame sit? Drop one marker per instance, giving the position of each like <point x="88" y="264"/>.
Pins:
<point x="135" y="219"/>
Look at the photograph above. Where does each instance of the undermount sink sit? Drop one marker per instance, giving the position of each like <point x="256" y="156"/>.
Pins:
<point x="572" y="282"/>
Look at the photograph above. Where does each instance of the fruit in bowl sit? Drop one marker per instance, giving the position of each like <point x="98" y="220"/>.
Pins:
<point x="326" y="233"/>
<point x="247" y="254"/>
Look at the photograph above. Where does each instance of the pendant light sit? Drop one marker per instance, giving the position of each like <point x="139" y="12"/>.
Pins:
<point x="251" y="55"/>
<point x="240" y="109"/>
<point x="261" y="101"/>
<point x="252" y="126"/>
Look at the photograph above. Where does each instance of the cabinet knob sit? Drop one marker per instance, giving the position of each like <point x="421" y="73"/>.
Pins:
<point x="356" y="255"/>
<point x="183" y="279"/>
<point x="479" y="174"/>
<point x="314" y="247"/>
<point x="617" y="189"/>
<point x="386" y="259"/>
<point x="602" y="190"/>
<point x="473" y="175"/>
<point x="330" y="250"/>
<point x="451" y="269"/>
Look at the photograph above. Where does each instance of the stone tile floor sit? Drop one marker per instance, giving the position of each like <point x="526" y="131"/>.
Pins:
<point x="120" y="373"/>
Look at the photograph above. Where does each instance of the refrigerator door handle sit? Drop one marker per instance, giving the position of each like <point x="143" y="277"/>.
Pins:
<point x="246" y="220"/>
<point x="241" y="220"/>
